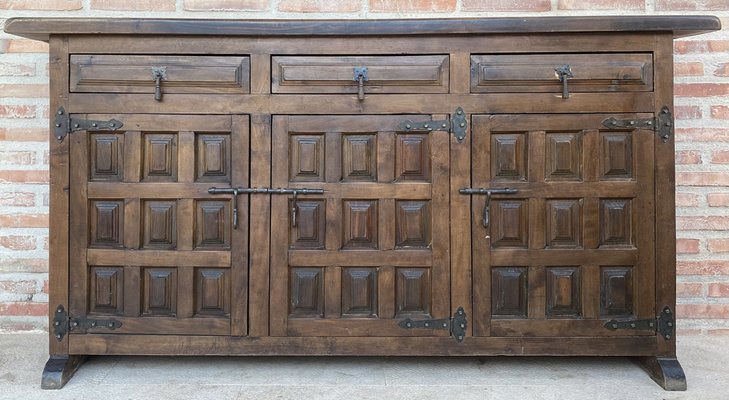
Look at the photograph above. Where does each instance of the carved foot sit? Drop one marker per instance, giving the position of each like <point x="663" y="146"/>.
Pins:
<point x="59" y="369"/>
<point x="667" y="372"/>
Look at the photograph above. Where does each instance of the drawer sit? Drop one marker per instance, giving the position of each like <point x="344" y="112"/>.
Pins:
<point x="182" y="74"/>
<point x="615" y="72"/>
<point x="385" y="74"/>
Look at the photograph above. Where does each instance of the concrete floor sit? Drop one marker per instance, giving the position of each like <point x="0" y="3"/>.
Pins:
<point x="22" y="356"/>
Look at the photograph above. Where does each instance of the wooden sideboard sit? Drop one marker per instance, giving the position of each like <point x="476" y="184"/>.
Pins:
<point x="408" y="187"/>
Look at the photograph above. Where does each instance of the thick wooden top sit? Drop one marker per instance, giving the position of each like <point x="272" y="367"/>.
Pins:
<point x="42" y="28"/>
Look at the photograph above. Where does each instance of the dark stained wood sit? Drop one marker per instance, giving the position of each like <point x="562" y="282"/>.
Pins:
<point x="40" y="28"/>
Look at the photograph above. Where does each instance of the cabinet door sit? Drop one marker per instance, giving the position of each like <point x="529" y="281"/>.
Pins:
<point x="574" y="247"/>
<point x="150" y="247"/>
<point x="372" y="250"/>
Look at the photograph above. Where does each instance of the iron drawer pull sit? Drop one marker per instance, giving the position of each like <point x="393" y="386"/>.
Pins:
<point x="360" y="76"/>
<point x="564" y="73"/>
<point x="158" y="74"/>
<point x="487" y="203"/>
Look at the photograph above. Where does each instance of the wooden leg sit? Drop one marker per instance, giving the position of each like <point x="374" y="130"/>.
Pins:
<point x="666" y="371"/>
<point x="58" y="370"/>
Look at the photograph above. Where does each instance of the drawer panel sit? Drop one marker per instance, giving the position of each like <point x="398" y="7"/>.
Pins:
<point x="385" y="74"/>
<point x="184" y="74"/>
<point x="616" y="72"/>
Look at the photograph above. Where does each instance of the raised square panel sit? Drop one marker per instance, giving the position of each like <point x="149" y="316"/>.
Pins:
<point x="359" y="157"/>
<point x="563" y="157"/>
<point x="306" y="293"/>
<point x="563" y="292"/>
<point x="616" y="290"/>
<point x="412" y="289"/>
<point x="106" y="290"/>
<point x="509" y="291"/>
<point x="212" y="224"/>
<point x="160" y="157"/>
<point x="212" y="292"/>
<point x="412" y="224"/>
<point x="616" y="155"/>
<point x="509" y="157"/>
<point x="159" y="292"/>
<point x="306" y="163"/>
<point x="359" y="292"/>
<point x="509" y="222"/>
<point x="564" y="223"/>
<point x="310" y="229"/>
<point x="106" y="223"/>
<point x="359" y="224"/>
<point x="616" y="222"/>
<point x="412" y="157"/>
<point x="159" y="224"/>
<point x="106" y="156"/>
<point x="212" y="158"/>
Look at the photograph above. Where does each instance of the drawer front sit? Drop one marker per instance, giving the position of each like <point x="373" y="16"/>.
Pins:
<point x="617" y="72"/>
<point x="182" y="74"/>
<point x="385" y="74"/>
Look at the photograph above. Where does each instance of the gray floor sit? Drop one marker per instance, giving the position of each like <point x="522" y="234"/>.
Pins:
<point x="22" y="356"/>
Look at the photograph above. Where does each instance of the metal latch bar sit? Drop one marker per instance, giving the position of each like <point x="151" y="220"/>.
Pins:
<point x="237" y="191"/>
<point x="487" y="203"/>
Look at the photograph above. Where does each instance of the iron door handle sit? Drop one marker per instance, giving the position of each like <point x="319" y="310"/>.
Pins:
<point x="487" y="203"/>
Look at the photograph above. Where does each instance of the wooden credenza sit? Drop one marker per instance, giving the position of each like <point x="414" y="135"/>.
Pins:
<point x="413" y="187"/>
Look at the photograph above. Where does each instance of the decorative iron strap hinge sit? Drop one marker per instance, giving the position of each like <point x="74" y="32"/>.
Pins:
<point x="63" y="324"/>
<point x="663" y="324"/>
<point x="455" y="325"/>
<point x="64" y="125"/>
<point x="662" y="124"/>
<point x="456" y="125"/>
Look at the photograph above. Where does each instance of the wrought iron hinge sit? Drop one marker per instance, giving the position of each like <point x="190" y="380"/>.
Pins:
<point x="63" y="323"/>
<point x="456" y="125"/>
<point x="64" y="125"/>
<point x="455" y="325"/>
<point x="663" y="324"/>
<point x="662" y="124"/>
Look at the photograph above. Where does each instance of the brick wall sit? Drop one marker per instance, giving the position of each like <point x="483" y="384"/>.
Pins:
<point x="702" y="147"/>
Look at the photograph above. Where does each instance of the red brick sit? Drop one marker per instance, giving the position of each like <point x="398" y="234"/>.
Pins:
<point x="13" y="69"/>
<point x="722" y="70"/>
<point x="18" y="242"/>
<point x="700" y="46"/>
<point x="689" y="290"/>
<point x="691" y="5"/>
<point x="8" y="325"/>
<point x="713" y="135"/>
<point x="720" y="157"/>
<point x="23" y="90"/>
<point x="688" y="157"/>
<point x="23" y="46"/>
<point x="507" y="5"/>
<point x="323" y="6"/>
<point x="136" y="5"/>
<point x="720" y="289"/>
<point x="18" y="287"/>
<point x="688" y="69"/>
<point x="226" y="5"/>
<point x="24" y="265"/>
<point x="687" y="112"/>
<point x="17" y="157"/>
<point x="46" y="5"/>
<point x="45" y="243"/>
<point x="711" y="267"/>
<point x="46" y="287"/>
<point x="717" y="223"/>
<point x="395" y="6"/>
<point x="33" y="176"/>
<point x="35" y="309"/>
<point x="718" y="245"/>
<point x="687" y="246"/>
<point x="16" y="111"/>
<point x="687" y="200"/>
<point x="718" y="199"/>
<point x="702" y="179"/>
<point x="687" y="331"/>
<point x="700" y="89"/>
<point x="601" y="5"/>
<point x="717" y="332"/>
<point x="24" y="134"/>
<point x="703" y="311"/>
<point x="17" y="199"/>
<point x="720" y="112"/>
<point x="24" y="221"/>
